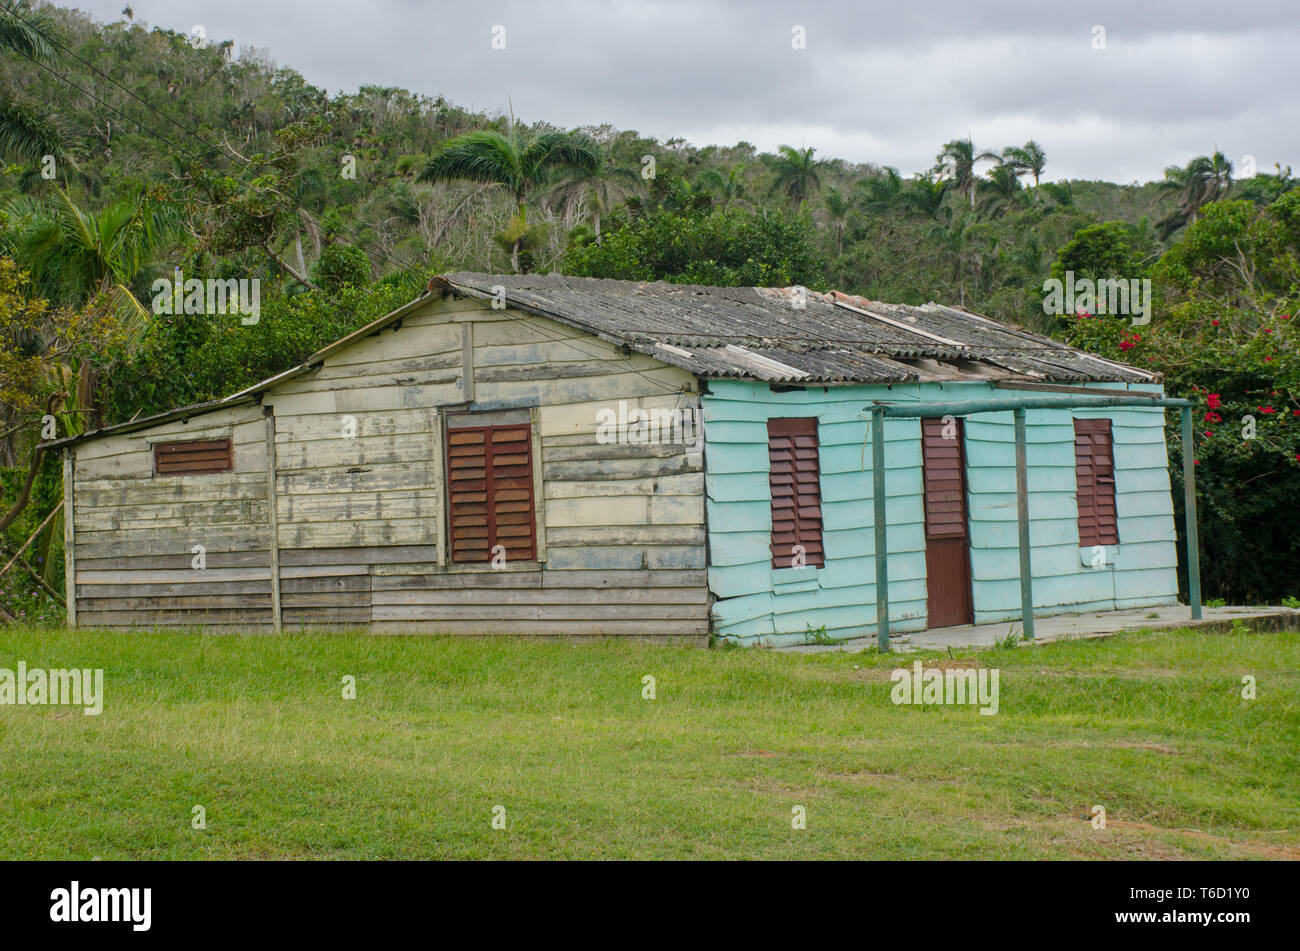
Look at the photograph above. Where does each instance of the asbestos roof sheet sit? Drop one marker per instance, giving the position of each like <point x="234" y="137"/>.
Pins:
<point x="794" y="336"/>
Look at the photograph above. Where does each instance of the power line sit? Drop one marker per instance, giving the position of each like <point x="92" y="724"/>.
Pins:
<point x="382" y="253"/>
<point x="12" y="10"/>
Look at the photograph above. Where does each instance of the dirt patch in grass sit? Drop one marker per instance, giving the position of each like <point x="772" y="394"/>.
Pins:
<point x="1263" y="850"/>
<point x="1143" y="833"/>
<point x="870" y="777"/>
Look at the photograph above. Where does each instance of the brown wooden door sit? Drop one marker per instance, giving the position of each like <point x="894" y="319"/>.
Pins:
<point x="947" y="533"/>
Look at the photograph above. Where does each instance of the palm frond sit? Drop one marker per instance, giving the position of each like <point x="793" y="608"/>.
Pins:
<point x="28" y="136"/>
<point x="29" y="32"/>
<point x="481" y="156"/>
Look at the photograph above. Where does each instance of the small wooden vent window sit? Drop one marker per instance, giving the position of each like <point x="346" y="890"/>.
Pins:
<point x="944" y="471"/>
<point x="490" y="484"/>
<point x="795" y="479"/>
<point x="192" y="456"/>
<point x="1094" y="474"/>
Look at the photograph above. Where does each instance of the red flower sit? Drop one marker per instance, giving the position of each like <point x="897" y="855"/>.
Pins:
<point x="1126" y="344"/>
<point x="1214" y="323"/>
<point x="1208" y="433"/>
<point x="1213" y="401"/>
<point x="1213" y="418"/>
<point x="1295" y="412"/>
<point x="1268" y="359"/>
<point x="1266" y="410"/>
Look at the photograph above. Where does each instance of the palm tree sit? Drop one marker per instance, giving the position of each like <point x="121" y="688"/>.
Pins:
<point x="79" y="258"/>
<point x="27" y="133"/>
<point x="599" y="187"/>
<point x="76" y="256"/>
<point x="925" y="193"/>
<point x="1003" y="189"/>
<point x="517" y="161"/>
<point x="796" y="173"/>
<point x="1199" y="182"/>
<point x="838" y="208"/>
<point x="957" y="163"/>
<point x="882" y="193"/>
<point x="1029" y="158"/>
<point x="731" y="188"/>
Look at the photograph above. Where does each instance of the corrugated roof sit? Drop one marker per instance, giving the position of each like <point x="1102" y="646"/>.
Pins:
<point x="763" y="333"/>
<point x="747" y="333"/>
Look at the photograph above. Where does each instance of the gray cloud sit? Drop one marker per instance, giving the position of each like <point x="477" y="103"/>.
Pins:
<point x="883" y="83"/>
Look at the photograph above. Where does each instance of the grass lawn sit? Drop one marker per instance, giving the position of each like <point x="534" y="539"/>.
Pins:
<point x="255" y="729"/>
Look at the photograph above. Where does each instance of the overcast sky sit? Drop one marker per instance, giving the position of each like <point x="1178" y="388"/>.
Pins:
<point x="877" y="82"/>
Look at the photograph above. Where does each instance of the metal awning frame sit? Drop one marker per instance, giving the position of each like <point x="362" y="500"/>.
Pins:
<point x="880" y="410"/>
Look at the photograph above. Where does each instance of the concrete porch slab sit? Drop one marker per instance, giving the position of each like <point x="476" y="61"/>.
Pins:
<point x="1071" y="626"/>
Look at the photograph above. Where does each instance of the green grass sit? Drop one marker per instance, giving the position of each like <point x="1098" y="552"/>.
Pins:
<point x="255" y="729"/>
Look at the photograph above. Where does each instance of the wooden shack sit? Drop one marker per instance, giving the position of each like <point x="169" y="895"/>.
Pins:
<point x="546" y="455"/>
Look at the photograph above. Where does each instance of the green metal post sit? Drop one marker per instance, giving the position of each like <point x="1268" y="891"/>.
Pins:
<point x="1022" y="518"/>
<point x="1189" y="508"/>
<point x="882" y="547"/>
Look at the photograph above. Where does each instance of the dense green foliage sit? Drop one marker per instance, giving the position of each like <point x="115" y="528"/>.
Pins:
<point x="1224" y="334"/>
<point x="183" y="161"/>
<point x="731" y="247"/>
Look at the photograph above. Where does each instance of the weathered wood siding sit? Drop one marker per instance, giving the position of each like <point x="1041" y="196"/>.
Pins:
<point x="759" y="603"/>
<point x="135" y="532"/>
<point x="360" y="507"/>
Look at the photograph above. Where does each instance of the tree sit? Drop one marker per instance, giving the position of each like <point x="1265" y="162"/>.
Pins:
<point x="731" y="187"/>
<point x="1264" y="189"/>
<point x="599" y="188"/>
<point x="1199" y="182"/>
<point x="795" y="173"/>
<point x="838" y="208"/>
<point x="80" y="258"/>
<point x="1224" y="335"/>
<point x="37" y="345"/>
<point x="1061" y="192"/>
<point x="27" y="133"/>
<point x="1029" y="158"/>
<point x="924" y="195"/>
<point x="733" y="247"/>
<point x="75" y="255"/>
<point x="1100" y="251"/>
<point x="1003" y="191"/>
<point x="341" y="265"/>
<point x="882" y="193"/>
<point x="957" y="163"/>
<point x="517" y="162"/>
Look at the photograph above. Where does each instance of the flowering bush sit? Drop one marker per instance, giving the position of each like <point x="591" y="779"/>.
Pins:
<point x="1222" y="334"/>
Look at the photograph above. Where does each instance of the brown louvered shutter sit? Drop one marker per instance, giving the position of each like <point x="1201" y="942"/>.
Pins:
<point x="192" y="456"/>
<point x="490" y="479"/>
<point x="945" y="480"/>
<point x="795" y="480"/>
<point x="1094" y="474"/>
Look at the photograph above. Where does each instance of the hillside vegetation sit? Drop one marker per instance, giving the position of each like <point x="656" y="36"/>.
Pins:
<point x="135" y="154"/>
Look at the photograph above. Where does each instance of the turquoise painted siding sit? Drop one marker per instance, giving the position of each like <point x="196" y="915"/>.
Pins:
<point x="756" y="603"/>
